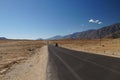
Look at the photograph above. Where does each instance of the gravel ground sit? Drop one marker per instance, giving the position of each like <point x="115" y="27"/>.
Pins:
<point x="34" y="68"/>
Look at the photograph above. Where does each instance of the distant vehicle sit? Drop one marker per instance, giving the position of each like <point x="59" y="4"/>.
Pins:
<point x="56" y="45"/>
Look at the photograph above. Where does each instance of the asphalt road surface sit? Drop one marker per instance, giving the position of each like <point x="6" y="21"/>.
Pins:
<point x="74" y="65"/>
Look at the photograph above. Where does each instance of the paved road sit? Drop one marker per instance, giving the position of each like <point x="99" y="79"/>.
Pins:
<point x="74" y="65"/>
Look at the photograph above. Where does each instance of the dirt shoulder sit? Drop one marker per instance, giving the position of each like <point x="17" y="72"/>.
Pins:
<point x="33" y="68"/>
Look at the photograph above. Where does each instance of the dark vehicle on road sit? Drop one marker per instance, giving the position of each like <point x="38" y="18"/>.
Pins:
<point x="56" y="45"/>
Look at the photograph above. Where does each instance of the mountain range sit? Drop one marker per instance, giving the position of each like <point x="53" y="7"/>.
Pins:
<point x="2" y="38"/>
<point x="112" y="31"/>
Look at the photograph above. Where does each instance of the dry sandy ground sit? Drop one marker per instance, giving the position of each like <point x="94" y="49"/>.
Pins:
<point x="26" y="60"/>
<point x="23" y="60"/>
<point x="109" y="47"/>
<point x="34" y="68"/>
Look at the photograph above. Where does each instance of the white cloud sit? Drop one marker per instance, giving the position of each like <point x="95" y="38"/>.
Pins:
<point x="99" y="22"/>
<point x="91" y="20"/>
<point x="95" y="21"/>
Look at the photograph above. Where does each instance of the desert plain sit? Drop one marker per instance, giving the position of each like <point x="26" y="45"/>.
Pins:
<point x="27" y="59"/>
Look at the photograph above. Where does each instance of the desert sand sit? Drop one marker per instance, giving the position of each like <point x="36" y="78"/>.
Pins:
<point x="23" y="60"/>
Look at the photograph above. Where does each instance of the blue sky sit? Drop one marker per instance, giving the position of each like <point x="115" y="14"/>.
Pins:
<point x="32" y="19"/>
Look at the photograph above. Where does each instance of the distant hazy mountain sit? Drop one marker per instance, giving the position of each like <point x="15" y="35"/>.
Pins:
<point x="55" y="38"/>
<point x="81" y="35"/>
<point x="112" y="31"/>
<point x="40" y="39"/>
<point x="2" y="38"/>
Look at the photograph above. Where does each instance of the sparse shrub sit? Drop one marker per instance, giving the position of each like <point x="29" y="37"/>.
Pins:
<point x="103" y="45"/>
<point x="116" y="35"/>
